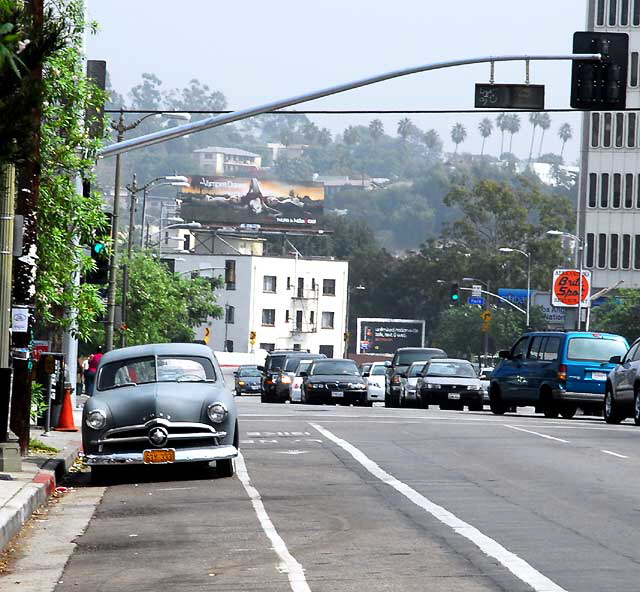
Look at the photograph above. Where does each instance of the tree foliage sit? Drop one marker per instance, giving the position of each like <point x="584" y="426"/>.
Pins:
<point x="619" y="314"/>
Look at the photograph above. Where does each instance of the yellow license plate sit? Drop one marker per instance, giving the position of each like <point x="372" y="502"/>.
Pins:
<point x="164" y="455"/>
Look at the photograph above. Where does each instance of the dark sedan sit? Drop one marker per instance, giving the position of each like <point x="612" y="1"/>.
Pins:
<point x="450" y="383"/>
<point x="334" y="381"/>
<point x="248" y="379"/>
<point x="622" y="395"/>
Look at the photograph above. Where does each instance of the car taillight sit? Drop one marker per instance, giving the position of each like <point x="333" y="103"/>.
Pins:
<point x="562" y="372"/>
<point x="285" y="379"/>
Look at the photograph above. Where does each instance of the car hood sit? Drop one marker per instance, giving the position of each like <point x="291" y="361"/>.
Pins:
<point x="451" y="380"/>
<point x="175" y="401"/>
<point x="336" y="378"/>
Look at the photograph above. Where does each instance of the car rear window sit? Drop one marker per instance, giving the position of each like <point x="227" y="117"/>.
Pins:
<point x="275" y="362"/>
<point x="595" y="349"/>
<point x="451" y="369"/>
<point x="334" y="367"/>
<point x="291" y="364"/>
<point x="249" y="372"/>
<point x="407" y="358"/>
<point x="378" y="371"/>
<point x="413" y="371"/>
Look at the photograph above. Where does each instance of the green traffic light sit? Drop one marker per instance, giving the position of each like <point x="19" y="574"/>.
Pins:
<point x="454" y="296"/>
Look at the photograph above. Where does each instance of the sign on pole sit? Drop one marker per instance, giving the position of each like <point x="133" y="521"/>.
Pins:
<point x="566" y="285"/>
<point x="509" y="96"/>
<point x="476" y="290"/>
<point x="479" y="300"/>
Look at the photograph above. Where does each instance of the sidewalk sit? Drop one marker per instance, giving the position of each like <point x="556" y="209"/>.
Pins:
<point x="22" y="493"/>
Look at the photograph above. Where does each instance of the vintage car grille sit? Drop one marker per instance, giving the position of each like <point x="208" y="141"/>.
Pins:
<point x="181" y="435"/>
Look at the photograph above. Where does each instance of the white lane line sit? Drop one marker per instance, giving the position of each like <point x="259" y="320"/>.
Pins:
<point x="614" y="454"/>
<point x="516" y="565"/>
<point x="288" y="563"/>
<point x="536" y="434"/>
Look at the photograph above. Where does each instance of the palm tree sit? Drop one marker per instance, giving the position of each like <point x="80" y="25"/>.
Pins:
<point x="431" y="140"/>
<point x="502" y="123"/>
<point x="513" y="127"/>
<point x="376" y="129"/>
<point x="485" y="127"/>
<point x="545" y="123"/>
<point x="405" y="129"/>
<point x="534" y="120"/>
<point x="458" y="135"/>
<point x="566" y="133"/>
<point x="350" y="136"/>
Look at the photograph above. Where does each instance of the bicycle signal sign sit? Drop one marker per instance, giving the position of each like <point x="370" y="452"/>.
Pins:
<point x="509" y="96"/>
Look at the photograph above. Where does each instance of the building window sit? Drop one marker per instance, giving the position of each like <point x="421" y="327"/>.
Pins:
<point x="298" y="320"/>
<point x="636" y="12"/>
<point x="327" y="350"/>
<point x="636" y="253"/>
<point x="619" y="129"/>
<point x="296" y="347"/>
<point x="228" y="345"/>
<point x="208" y="156"/>
<point x="269" y="317"/>
<point x="230" y="274"/>
<point x="624" y="13"/>
<point x="602" y="250"/>
<point x="590" y="249"/>
<point x="633" y="74"/>
<point x="312" y="317"/>
<point x="300" y="287"/>
<point x="313" y="284"/>
<point x="328" y="287"/>
<point x="604" y="191"/>
<point x="613" y="8"/>
<point x="593" y="190"/>
<point x="628" y="190"/>
<point x="230" y="317"/>
<point x="268" y="346"/>
<point x="595" y="130"/>
<point x="617" y="190"/>
<point x="606" y="141"/>
<point x="613" y="251"/>
<point x="626" y="251"/>
<point x="600" y="13"/>
<point x="288" y="283"/>
<point x="269" y="283"/>
<point x="631" y="131"/>
<point x="287" y="316"/>
<point x="327" y="320"/>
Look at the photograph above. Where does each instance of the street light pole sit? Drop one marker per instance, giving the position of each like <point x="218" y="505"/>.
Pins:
<point x="528" y="256"/>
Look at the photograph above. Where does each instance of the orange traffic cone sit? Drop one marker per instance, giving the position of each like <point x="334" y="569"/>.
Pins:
<point x="65" y="423"/>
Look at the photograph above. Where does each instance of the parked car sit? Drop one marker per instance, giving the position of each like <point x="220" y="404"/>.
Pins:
<point x="376" y="378"/>
<point x="556" y="372"/>
<point x="622" y="391"/>
<point x="248" y="379"/>
<point x="403" y="358"/>
<point x="409" y="381"/>
<point x="485" y="380"/>
<point x="450" y="383"/>
<point x="276" y="379"/>
<point x="160" y="404"/>
<point x="334" y="381"/>
<point x="296" y="384"/>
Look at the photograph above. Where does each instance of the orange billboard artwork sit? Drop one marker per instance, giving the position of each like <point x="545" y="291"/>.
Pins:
<point x="239" y="200"/>
<point x="566" y="287"/>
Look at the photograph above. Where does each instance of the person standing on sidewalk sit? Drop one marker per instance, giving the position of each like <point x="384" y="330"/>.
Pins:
<point x="92" y="367"/>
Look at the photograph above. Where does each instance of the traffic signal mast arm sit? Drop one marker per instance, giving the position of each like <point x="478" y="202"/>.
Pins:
<point x="217" y="120"/>
<point x="524" y="312"/>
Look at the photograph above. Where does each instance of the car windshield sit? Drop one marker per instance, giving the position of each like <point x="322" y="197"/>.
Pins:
<point x="249" y="372"/>
<point x="144" y="370"/>
<point x="595" y="349"/>
<point x="415" y="368"/>
<point x="378" y="371"/>
<point x="331" y="367"/>
<point x="459" y="369"/>
<point x="409" y="357"/>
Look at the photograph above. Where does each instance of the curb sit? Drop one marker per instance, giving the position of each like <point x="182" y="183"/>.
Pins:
<point x="18" y="509"/>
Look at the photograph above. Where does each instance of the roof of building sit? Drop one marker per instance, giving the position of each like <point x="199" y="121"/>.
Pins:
<point x="224" y="150"/>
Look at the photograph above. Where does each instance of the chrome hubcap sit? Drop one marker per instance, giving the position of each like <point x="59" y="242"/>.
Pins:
<point x="607" y="403"/>
<point x="637" y="406"/>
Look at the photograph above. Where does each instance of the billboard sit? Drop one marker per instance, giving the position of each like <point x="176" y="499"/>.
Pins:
<point x="385" y="336"/>
<point x="239" y="200"/>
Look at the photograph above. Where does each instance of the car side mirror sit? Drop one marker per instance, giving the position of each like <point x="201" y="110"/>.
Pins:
<point x="387" y="363"/>
<point x="402" y="375"/>
<point x="304" y="374"/>
<point x="615" y="359"/>
<point x="419" y="374"/>
<point x="260" y="368"/>
<point x="235" y="374"/>
<point x="365" y="375"/>
<point x="505" y="354"/>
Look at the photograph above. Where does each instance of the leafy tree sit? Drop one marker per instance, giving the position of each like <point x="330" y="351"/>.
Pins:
<point x="619" y="314"/>
<point x="376" y="129"/>
<point x="350" y="136"/>
<point x="294" y="169"/>
<point x="566" y="133"/>
<point x="324" y="137"/>
<point x="458" y="135"/>
<point x="544" y="122"/>
<point x="406" y="128"/>
<point x="433" y="144"/>
<point x="485" y="127"/>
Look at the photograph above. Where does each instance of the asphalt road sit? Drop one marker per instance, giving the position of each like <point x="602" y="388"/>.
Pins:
<point x="347" y="498"/>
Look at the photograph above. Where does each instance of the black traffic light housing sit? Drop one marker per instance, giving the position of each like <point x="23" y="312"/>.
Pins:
<point x="455" y="293"/>
<point x="101" y="255"/>
<point x="600" y="85"/>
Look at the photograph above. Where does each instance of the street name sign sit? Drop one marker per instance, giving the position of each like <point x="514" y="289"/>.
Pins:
<point x="479" y="300"/>
<point x="509" y="96"/>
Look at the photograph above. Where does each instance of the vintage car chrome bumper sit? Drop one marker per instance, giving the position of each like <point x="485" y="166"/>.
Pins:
<point x="182" y="455"/>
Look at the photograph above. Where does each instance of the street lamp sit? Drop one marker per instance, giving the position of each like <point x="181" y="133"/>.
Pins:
<point x="120" y="127"/>
<point x="579" y="260"/>
<point x="350" y="289"/>
<point x="528" y="256"/>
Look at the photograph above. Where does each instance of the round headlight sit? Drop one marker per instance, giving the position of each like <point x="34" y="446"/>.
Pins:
<point x="96" y="420"/>
<point x="217" y="412"/>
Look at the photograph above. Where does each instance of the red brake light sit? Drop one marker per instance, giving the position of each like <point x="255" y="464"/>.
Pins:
<point x="562" y="372"/>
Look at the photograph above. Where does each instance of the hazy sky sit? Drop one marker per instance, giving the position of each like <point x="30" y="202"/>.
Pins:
<point x="257" y="51"/>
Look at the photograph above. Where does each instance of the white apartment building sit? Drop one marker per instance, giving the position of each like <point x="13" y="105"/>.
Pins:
<point x="220" y="161"/>
<point x="609" y="195"/>
<point x="289" y="302"/>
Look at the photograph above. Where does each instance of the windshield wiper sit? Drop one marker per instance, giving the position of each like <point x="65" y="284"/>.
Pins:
<point x="115" y="386"/>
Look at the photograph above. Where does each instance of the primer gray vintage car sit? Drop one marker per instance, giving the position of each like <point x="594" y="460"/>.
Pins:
<point x="160" y="404"/>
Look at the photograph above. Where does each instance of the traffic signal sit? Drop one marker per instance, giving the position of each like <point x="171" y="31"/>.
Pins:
<point x="455" y="293"/>
<point x="101" y="256"/>
<point x="600" y="85"/>
<point x="252" y="337"/>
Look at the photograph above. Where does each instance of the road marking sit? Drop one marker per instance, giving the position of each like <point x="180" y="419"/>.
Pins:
<point x="516" y="565"/>
<point x="291" y="451"/>
<point x="288" y="563"/>
<point x="536" y="434"/>
<point x="614" y="454"/>
<point x="174" y="488"/>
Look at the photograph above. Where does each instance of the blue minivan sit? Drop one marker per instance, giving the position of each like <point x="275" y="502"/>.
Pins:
<point x="556" y="372"/>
